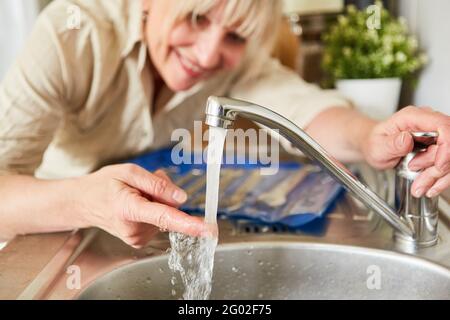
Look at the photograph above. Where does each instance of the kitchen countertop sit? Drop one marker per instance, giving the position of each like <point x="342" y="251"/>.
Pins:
<point x="24" y="258"/>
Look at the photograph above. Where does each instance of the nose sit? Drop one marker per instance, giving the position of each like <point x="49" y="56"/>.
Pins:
<point x="209" y="48"/>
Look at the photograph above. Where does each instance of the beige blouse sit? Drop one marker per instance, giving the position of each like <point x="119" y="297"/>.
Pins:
<point x="77" y="99"/>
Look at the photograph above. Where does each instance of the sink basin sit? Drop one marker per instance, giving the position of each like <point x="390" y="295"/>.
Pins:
<point x="280" y="270"/>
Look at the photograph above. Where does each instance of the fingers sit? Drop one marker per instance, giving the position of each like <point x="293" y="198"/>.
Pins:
<point x="165" y="217"/>
<point x="158" y="186"/>
<point x="423" y="119"/>
<point x="141" y="238"/>
<point x="399" y="145"/>
<point x="443" y="152"/>
<point x="137" y="235"/>
<point x="424" y="160"/>
<point x="387" y="150"/>
<point x="440" y="186"/>
<point x="391" y="140"/>
<point x="436" y="161"/>
<point x="429" y="182"/>
<point x="162" y="174"/>
<point x="418" y="119"/>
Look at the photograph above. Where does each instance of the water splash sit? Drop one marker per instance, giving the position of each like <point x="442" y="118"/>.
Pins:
<point x="193" y="258"/>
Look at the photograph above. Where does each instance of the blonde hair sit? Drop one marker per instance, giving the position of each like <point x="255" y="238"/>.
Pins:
<point x="256" y="20"/>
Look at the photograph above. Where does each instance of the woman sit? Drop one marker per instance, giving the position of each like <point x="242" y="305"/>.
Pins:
<point x="116" y="84"/>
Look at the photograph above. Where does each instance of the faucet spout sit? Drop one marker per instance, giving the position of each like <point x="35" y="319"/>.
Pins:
<point x="221" y="112"/>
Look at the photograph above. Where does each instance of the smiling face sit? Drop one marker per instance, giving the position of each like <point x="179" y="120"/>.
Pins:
<point x="195" y="47"/>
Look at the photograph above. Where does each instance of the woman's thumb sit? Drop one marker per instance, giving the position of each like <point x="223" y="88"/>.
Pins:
<point x="400" y="145"/>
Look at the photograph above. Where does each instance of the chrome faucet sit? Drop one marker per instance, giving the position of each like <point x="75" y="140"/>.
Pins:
<point x="415" y="220"/>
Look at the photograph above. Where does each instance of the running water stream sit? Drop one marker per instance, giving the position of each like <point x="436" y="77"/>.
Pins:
<point x="193" y="257"/>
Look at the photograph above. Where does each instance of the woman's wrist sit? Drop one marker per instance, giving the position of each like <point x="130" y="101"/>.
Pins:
<point x="73" y="203"/>
<point x="363" y="131"/>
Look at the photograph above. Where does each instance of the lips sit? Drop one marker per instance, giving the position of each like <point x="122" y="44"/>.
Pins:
<point x="189" y="67"/>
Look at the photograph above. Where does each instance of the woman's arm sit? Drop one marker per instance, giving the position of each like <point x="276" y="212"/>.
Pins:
<point x="124" y="200"/>
<point x="342" y="132"/>
<point x="30" y="205"/>
<point x="350" y="136"/>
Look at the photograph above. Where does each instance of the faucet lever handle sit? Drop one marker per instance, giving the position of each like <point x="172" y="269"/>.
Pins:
<point x="422" y="140"/>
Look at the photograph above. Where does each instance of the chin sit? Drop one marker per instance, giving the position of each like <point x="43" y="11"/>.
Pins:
<point x="180" y="85"/>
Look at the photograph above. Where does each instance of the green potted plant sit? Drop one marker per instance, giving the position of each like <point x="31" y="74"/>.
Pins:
<point x="367" y="55"/>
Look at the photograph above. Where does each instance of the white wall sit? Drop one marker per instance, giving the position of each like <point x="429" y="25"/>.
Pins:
<point x="430" y="20"/>
<point x="313" y="6"/>
<point x="16" y="20"/>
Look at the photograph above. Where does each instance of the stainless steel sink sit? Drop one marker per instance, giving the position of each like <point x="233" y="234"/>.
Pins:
<point x="279" y="270"/>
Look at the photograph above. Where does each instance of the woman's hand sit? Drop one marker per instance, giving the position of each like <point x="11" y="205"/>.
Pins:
<point x="134" y="204"/>
<point x="389" y="141"/>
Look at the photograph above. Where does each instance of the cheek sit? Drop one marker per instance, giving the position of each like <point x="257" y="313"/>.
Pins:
<point x="233" y="56"/>
<point x="182" y="34"/>
<point x="157" y="38"/>
<point x="155" y="42"/>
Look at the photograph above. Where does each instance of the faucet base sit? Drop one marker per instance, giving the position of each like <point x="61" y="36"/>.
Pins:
<point x="410" y="245"/>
